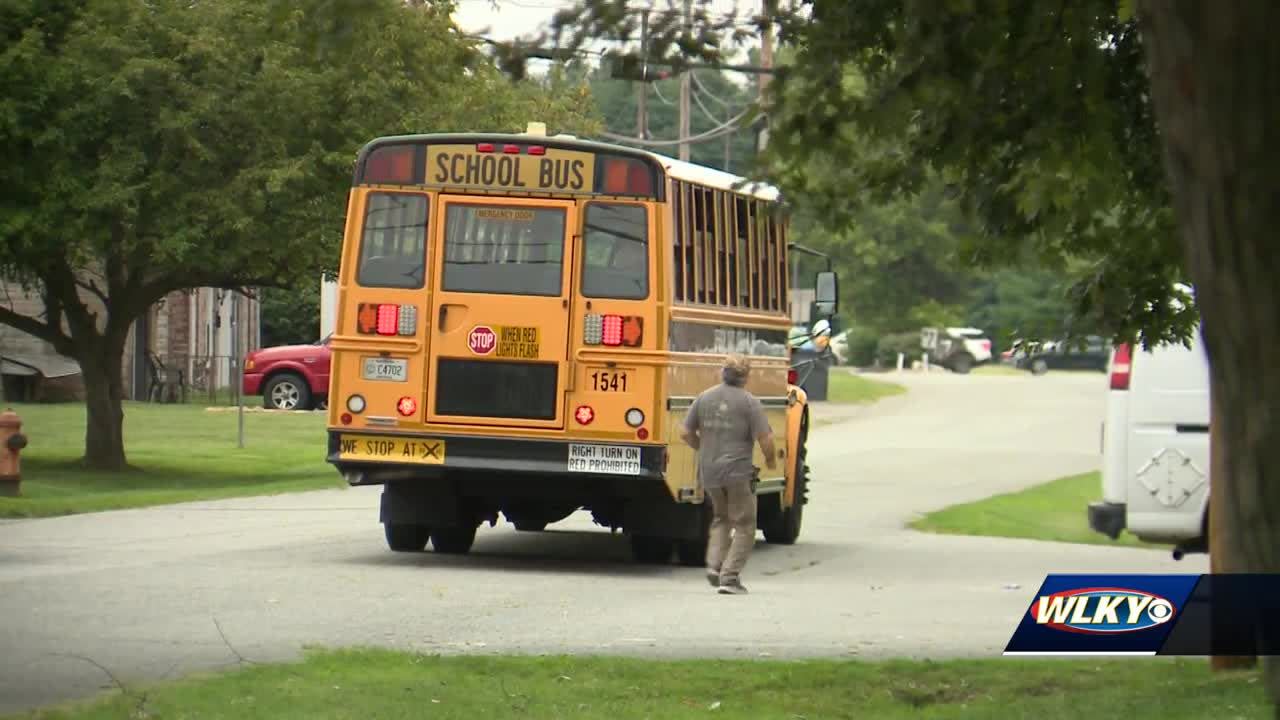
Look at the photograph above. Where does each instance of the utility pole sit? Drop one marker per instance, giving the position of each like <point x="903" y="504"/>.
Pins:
<point x="685" y="90"/>
<point x="642" y="100"/>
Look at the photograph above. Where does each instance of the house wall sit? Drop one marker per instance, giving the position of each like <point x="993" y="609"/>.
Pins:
<point x="181" y="336"/>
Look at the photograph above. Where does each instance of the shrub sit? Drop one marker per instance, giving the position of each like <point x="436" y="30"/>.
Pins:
<point x="862" y="347"/>
<point x="889" y="346"/>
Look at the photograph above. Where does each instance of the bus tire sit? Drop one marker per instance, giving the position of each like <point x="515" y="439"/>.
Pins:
<point x="651" y="550"/>
<point x="782" y="527"/>
<point x="693" y="553"/>
<point x="407" y="538"/>
<point x="453" y="540"/>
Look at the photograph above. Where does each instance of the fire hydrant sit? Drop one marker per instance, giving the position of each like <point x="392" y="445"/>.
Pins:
<point x="11" y="443"/>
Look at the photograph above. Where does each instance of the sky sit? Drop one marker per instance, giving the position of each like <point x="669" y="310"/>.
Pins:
<point x="507" y="19"/>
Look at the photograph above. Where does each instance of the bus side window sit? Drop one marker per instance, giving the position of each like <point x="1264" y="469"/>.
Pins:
<point x="393" y="245"/>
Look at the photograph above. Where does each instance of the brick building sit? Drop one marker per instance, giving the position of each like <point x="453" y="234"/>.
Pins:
<point x="187" y="333"/>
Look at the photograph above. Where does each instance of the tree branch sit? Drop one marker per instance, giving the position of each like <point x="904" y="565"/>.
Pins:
<point x="92" y="287"/>
<point x="35" y="328"/>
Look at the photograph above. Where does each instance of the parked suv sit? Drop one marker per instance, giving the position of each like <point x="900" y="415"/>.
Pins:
<point x="289" y="377"/>
<point x="959" y="349"/>
<point x="1155" y="447"/>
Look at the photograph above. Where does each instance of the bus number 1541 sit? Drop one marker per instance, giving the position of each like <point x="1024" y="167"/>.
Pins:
<point x="607" y="381"/>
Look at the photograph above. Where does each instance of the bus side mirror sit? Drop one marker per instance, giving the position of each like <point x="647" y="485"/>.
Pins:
<point x="826" y="294"/>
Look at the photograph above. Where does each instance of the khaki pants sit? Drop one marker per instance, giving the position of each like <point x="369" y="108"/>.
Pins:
<point x="733" y="510"/>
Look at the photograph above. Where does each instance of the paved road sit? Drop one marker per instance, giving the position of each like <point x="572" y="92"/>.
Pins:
<point x="160" y="592"/>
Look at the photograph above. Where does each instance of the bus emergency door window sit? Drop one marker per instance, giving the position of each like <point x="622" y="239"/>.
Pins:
<point x="616" y="254"/>
<point x="393" y="246"/>
<point x="506" y="250"/>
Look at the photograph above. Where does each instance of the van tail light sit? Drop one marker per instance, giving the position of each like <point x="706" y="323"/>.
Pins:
<point x="986" y="346"/>
<point x="1121" y="367"/>
<point x="386" y="319"/>
<point x="792" y="376"/>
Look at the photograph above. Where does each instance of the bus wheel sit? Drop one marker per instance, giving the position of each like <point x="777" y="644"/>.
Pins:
<point x="651" y="550"/>
<point x="453" y="540"/>
<point x="783" y="526"/>
<point x="407" y="538"/>
<point x="693" y="553"/>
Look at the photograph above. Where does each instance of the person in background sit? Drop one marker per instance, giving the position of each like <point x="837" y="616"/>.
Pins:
<point x="723" y="425"/>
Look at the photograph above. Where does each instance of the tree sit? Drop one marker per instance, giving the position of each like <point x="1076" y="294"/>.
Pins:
<point x="1143" y="146"/>
<point x="170" y="145"/>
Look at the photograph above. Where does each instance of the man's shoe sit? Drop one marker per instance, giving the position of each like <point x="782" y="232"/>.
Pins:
<point x="732" y="587"/>
<point x="713" y="578"/>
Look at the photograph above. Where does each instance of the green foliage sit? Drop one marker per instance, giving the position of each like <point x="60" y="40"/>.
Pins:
<point x="889" y="346"/>
<point x="862" y="343"/>
<point x="1035" y="119"/>
<point x="290" y="316"/>
<point x="170" y="145"/>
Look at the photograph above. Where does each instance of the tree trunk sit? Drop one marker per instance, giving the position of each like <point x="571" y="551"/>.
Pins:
<point x="1215" y="81"/>
<point x="104" y="394"/>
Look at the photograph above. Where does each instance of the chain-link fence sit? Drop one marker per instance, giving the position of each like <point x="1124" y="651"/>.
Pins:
<point x="207" y="379"/>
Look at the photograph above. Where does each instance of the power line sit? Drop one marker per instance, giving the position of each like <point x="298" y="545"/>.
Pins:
<point x="724" y="128"/>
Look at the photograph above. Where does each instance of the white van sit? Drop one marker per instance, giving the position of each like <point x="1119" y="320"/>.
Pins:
<point x="1155" y="447"/>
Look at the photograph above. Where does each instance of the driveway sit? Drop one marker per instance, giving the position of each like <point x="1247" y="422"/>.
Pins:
<point x="156" y="593"/>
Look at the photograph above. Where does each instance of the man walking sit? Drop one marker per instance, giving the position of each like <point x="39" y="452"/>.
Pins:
<point x="723" y="425"/>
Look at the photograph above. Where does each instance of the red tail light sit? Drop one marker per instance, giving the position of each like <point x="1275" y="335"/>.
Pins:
<point x="792" y="376"/>
<point x="986" y="346"/>
<point x="1121" y="367"/>
<point x="386" y="319"/>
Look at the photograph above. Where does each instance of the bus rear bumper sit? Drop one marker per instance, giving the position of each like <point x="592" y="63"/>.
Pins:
<point x="441" y="455"/>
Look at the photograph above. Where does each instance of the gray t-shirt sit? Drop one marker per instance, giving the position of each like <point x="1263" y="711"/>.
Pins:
<point x="728" y="419"/>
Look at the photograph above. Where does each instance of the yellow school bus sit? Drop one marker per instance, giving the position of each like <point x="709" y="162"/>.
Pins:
<point x="523" y="321"/>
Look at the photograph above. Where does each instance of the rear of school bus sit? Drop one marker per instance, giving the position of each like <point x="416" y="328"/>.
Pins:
<point x="499" y="326"/>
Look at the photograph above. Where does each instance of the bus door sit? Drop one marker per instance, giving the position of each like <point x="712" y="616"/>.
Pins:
<point x="500" y="314"/>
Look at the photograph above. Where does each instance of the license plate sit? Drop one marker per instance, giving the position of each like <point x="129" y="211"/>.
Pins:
<point x="385" y="369"/>
<point x="381" y="448"/>
<point x="606" y="459"/>
<point x="608" y="380"/>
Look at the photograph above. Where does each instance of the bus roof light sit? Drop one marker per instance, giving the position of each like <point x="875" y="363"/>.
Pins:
<point x="537" y="150"/>
<point x="390" y="165"/>
<point x="388" y="319"/>
<point x="511" y="149"/>
<point x="484" y="147"/>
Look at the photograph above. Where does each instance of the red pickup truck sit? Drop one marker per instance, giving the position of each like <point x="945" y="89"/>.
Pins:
<point x="289" y="377"/>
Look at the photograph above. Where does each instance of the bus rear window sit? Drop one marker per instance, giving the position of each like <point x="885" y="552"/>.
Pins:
<point x="616" y="252"/>
<point x="393" y="247"/>
<point x="504" y="249"/>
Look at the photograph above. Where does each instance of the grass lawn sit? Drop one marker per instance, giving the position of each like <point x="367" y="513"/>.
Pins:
<point x="1055" y="510"/>
<point x="381" y="684"/>
<point x="180" y="452"/>
<point x="844" y="387"/>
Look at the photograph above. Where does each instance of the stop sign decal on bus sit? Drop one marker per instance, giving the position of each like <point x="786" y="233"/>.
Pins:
<point x="482" y="340"/>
